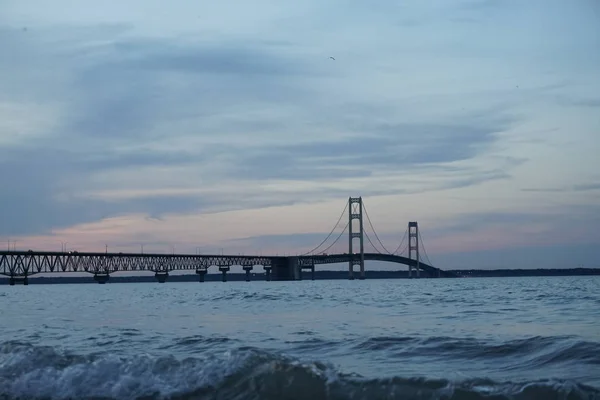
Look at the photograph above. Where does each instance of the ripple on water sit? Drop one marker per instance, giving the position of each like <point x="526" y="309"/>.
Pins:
<point x="472" y="337"/>
<point x="41" y="372"/>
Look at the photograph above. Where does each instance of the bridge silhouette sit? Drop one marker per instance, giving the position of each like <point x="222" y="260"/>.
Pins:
<point x="18" y="266"/>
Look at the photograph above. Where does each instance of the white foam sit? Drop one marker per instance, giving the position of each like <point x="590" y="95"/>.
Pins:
<point x="43" y="372"/>
<point x="29" y="373"/>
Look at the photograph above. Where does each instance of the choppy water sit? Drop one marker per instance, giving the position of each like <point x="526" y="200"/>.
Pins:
<point x="494" y="338"/>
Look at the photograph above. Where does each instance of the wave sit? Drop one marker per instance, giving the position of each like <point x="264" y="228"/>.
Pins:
<point x="257" y="296"/>
<point x="42" y="372"/>
<point x="536" y="351"/>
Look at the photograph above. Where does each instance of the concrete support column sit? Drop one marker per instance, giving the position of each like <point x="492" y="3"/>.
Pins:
<point x="295" y="270"/>
<point x="201" y="274"/>
<point x="248" y="269"/>
<point x="312" y="273"/>
<point x="224" y="269"/>
<point x="161" y="276"/>
<point x="15" y="280"/>
<point x="101" y="277"/>
<point x="285" y="269"/>
<point x="267" y="269"/>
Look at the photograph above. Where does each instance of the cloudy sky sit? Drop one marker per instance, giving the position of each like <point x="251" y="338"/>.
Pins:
<point x="189" y="125"/>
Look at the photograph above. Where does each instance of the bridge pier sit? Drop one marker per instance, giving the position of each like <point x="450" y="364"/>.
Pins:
<point x="294" y="268"/>
<point x="361" y="273"/>
<point x="201" y="274"/>
<point x="15" y="279"/>
<point x="101" y="277"/>
<point x="248" y="269"/>
<point x="267" y="269"/>
<point x="161" y="276"/>
<point x="312" y="272"/>
<point x="224" y="269"/>
<point x="286" y="269"/>
<point x="414" y="272"/>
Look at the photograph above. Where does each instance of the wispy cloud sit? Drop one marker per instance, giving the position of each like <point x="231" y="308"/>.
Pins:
<point x="584" y="187"/>
<point x="114" y="153"/>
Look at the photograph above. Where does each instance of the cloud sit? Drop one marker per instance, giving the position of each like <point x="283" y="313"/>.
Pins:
<point x="587" y="187"/>
<point x="584" y="187"/>
<point x="529" y="257"/>
<point x="387" y="147"/>
<point x="545" y="226"/>
<point x="581" y="100"/>
<point x="242" y="109"/>
<point x="122" y="143"/>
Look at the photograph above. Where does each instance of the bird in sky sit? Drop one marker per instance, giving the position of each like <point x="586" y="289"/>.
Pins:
<point x="332" y="58"/>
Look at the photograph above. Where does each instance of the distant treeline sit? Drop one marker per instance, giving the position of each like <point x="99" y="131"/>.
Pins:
<point x="319" y="275"/>
<point x="526" y="272"/>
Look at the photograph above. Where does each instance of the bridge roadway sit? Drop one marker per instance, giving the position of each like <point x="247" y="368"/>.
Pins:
<point x="19" y="265"/>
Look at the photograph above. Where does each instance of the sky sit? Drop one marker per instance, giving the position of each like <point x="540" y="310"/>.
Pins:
<point x="243" y="127"/>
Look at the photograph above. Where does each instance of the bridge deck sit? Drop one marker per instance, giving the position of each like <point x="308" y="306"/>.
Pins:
<point x="341" y="258"/>
<point x="27" y="263"/>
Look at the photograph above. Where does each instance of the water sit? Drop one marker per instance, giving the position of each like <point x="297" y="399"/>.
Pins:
<point x="496" y="338"/>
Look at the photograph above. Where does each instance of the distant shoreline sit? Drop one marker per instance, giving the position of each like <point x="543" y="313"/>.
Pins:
<point x="319" y="275"/>
<point x="496" y="273"/>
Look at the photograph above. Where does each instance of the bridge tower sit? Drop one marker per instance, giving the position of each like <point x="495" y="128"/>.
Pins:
<point x="355" y="211"/>
<point x="413" y="244"/>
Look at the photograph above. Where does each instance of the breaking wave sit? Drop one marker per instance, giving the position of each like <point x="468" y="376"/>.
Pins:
<point x="42" y="372"/>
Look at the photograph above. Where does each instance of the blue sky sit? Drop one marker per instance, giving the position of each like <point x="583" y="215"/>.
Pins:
<point x="226" y="125"/>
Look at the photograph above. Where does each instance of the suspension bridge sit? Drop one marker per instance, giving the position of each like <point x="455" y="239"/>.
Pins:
<point x="18" y="266"/>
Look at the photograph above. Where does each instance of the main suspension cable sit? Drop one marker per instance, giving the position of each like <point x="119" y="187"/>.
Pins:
<point x="330" y="233"/>
<point x="424" y="251"/>
<point x="369" y="239"/>
<point x="338" y="238"/>
<point x="373" y="229"/>
<point x="401" y="242"/>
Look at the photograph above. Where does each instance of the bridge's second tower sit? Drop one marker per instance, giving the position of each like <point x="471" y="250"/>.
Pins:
<point x="355" y="211"/>
<point x="413" y="245"/>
